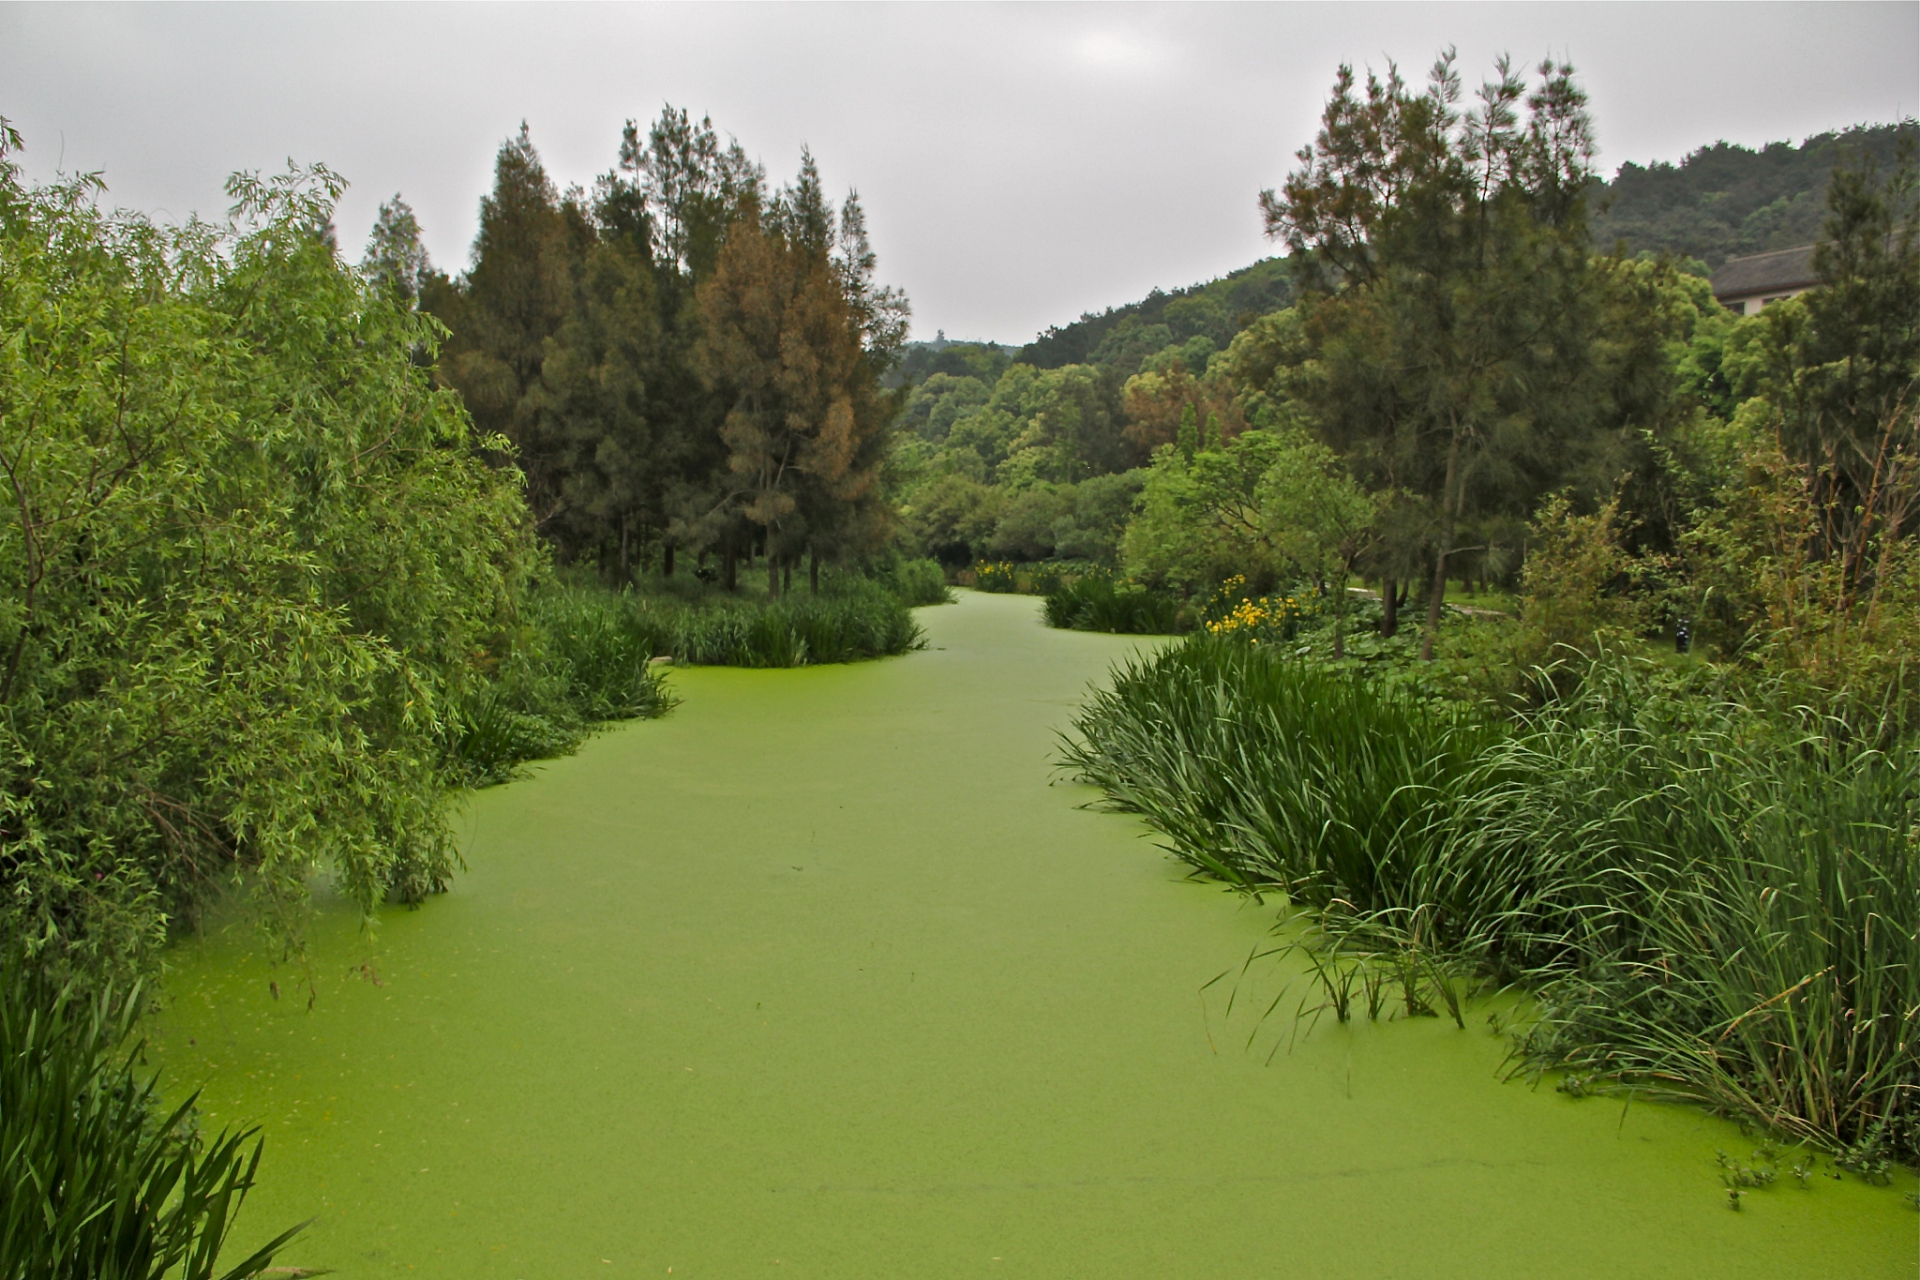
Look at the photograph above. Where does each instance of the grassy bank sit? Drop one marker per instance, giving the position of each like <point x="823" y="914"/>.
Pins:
<point x="586" y="654"/>
<point x="1706" y="901"/>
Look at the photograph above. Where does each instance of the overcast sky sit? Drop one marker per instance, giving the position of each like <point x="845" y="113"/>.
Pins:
<point x="1020" y="164"/>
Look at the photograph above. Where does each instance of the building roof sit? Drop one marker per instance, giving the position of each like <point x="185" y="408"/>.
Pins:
<point x="1766" y="273"/>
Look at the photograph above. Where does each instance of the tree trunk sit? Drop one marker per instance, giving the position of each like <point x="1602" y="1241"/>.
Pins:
<point x="1438" y="595"/>
<point x="1389" y="607"/>
<point x="730" y="567"/>
<point x="666" y="561"/>
<point x="1340" y="619"/>
<point x="786" y="575"/>
<point x="813" y="571"/>
<point x="773" y="572"/>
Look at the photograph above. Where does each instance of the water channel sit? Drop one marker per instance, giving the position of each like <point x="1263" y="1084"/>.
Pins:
<point x="827" y="974"/>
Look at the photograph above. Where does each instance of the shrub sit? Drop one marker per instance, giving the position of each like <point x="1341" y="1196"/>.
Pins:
<point x="582" y="656"/>
<point x="254" y="565"/>
<point x="918" y="582"/>
<point x="97" y="1180"/>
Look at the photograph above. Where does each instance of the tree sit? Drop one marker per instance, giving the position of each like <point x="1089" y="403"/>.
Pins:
<point x="1319" y="519"/>
<point x="1843" y="363"/>
<point x="1452" y="286"/>
<point x="514" y="297"/>
<point x="251" y="565"/>
<point x="396" y="258"/>
<point x="795" y="340"/>
<point x="1201" y="522"/>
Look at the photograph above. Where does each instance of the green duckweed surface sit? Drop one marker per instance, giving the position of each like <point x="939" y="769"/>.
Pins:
<point x="824" y="975"/>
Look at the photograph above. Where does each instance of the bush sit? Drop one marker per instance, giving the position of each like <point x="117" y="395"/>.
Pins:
<point x="97" y="1180"/>
<point x="583" y="656"/>
<point x="918" y="582"/>
<point x="252" y="568"/>
<point x="1096" y="602"/>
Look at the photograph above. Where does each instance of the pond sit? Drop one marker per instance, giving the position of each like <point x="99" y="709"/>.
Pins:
<point x="827" y="974"/>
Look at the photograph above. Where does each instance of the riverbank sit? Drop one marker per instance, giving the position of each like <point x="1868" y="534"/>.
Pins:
<point x="821" y="976"/>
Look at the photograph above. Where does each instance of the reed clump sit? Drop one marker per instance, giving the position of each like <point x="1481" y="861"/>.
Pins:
<point x="1098" y="602"/>
<point x="1709" y="897"/>
<point x="99" y="1180"/>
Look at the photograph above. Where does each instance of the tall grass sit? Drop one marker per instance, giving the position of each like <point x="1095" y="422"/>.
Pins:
<point x="1707" y="901"/>
<point x="97" y="1182"/>
<point x="857" y="619"/>
<point x="1274" y="774"/>
<point x="1095" y="602"/>
<point x="1723" y="904"/>
<point x="584" y="657"/>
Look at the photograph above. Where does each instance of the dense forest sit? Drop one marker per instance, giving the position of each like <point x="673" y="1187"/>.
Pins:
<point x="1203" y="360"/>
<point x="1725" y="201"/>
<point x="684" y="360"/>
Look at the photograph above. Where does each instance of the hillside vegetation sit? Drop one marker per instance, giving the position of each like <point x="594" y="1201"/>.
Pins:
<point x="1725" y="201"/>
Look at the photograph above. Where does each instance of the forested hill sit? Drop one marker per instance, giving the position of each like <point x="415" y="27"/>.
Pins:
<point x="1719" y="202"/>
<point x="1120" y="336"/>
<point x="1724" y="200"/>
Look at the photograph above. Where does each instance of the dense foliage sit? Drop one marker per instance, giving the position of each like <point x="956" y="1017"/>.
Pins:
<point x="1706" y="873"/>
<point x="1726" y="200"/>
<point x="1121" y="336"/>
<point x="684" y="361"/>
<point x="255" y="565"/>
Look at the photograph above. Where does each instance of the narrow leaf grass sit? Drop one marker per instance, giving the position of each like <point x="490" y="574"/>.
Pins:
<point x="97" y="1181"/>
<point x="1706" y="901"/>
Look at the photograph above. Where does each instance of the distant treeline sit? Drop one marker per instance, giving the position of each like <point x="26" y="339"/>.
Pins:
<point x="1725" y="201"/>
<point x="1719" y="202"/>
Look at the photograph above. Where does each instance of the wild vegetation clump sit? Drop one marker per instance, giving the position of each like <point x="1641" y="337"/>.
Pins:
<point x="1705" y="900"/>
<point x="581" y="657"/>
<point x="100" y="1179"/>
<point x="257" y="568"/>
<point x="855" y="619"/>
<point x="1102" y="602"/>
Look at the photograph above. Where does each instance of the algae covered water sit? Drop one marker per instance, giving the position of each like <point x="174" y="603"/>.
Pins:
<point x="826" y="974"/>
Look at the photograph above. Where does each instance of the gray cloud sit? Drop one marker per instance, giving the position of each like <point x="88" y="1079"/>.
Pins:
<point x="1020" y="163"/>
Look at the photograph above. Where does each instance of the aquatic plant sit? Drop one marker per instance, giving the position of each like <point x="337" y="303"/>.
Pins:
<point x="1275" y="774"/>
<point x="98" y="1182"/>
<point x="581" y="657"/>
<point x="857" y="619"/>
<point x="1707" y="901"/>
<point x="1097" y="602"/>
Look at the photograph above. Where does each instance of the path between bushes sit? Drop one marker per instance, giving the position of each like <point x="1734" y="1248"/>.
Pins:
<point x="822" y="976"/>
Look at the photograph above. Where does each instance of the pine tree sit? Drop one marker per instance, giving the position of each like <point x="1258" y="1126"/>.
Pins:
<point x="395" y="256"/>
<point x="1452" y="291"/>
